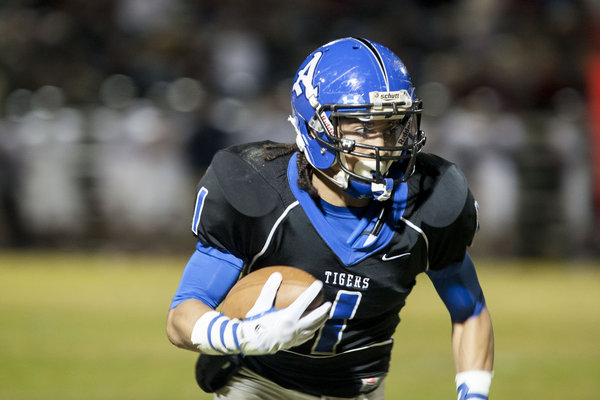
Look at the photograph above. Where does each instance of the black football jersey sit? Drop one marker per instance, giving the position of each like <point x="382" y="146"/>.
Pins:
<point x="253" y="209"/>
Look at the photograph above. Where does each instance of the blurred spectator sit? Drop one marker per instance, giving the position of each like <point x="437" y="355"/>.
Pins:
<point x="49" y="137"/>
<point x="142" y="183"/>
<point x="14" y="233"/>
<point x="567" y="137"/>
<point x="483" y="139"/>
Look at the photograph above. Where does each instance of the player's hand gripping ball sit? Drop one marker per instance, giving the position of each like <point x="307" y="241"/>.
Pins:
<point x="246" y="291"/>
<point x="272" y="309"/>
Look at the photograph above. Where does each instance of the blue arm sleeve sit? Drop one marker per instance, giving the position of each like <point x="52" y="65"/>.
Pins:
<point x="208" y="276"/>
<point x="459" y="289"/>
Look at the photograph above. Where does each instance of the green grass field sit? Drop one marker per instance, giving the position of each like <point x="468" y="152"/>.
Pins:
<point x="91" y="327"/>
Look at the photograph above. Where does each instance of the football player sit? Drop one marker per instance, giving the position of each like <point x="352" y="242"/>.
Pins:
<point x="355" y="203"/>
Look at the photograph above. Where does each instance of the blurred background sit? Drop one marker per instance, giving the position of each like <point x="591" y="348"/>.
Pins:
<point x="111" y="110"/>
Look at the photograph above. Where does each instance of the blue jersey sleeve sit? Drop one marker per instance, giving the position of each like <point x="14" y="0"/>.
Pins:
<point x="208" y="276"/>
<point x="459" y="289"/>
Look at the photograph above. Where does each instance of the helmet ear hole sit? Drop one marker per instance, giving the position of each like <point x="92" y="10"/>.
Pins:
<point x="313" y="127"/>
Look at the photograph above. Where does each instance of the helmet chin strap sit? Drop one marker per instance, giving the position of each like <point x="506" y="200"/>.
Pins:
<point x="340" y="179"/>
<point x="361" y="190"/>
<point x="383" y="191"/>
<point x="379" y="191"/>
<point x="299" y="141"/>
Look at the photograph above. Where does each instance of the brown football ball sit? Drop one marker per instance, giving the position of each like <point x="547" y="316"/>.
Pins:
<point x="244" y="293"/>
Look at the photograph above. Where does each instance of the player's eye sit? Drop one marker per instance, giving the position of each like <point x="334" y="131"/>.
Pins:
<point x="356" y="129"/>
<point x="392" y="131"/>
<point x="362" y="130"/>
<point x="389" y="131"/>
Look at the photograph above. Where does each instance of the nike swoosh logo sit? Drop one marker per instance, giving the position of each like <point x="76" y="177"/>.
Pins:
<point x="389" y="258"/>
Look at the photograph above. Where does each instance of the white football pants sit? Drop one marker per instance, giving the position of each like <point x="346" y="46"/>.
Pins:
<point x="247" y="385"/>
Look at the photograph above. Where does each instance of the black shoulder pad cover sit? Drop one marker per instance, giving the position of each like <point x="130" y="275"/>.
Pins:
<point x="447" y="199"/>
<point x="243" y="186"/>
<point x="444" y="207"/>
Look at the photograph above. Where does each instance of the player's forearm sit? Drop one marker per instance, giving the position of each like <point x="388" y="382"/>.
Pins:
<point x="473" y="343"/>
<point x="264" y="330"/>
<point x="181" y="321"/>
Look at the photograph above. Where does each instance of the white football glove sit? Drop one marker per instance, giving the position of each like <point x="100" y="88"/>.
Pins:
<point x="265" y="330"/>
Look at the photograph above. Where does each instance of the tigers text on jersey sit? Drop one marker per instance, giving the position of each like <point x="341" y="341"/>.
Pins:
<point x="253" y="209"/>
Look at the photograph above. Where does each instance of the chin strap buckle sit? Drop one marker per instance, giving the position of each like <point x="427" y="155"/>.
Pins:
<point x="383" y="191"/>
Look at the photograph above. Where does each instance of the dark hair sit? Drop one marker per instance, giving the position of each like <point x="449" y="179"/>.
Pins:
<point x="305" y="170"/>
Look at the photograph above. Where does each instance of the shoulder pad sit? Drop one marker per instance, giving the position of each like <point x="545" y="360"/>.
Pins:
<point x="442" y="205"/>
<point x="238" y="173"/>
<point x="440" y="189"/>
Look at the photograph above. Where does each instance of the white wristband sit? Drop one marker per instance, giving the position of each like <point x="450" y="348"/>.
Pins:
<point x="215" y="333"/>
<point x="473" y="384"/>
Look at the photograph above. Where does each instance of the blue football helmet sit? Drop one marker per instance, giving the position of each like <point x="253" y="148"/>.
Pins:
<point x="357" y="78"/>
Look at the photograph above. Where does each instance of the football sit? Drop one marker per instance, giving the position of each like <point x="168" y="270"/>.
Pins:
<point x="244" y="293"/>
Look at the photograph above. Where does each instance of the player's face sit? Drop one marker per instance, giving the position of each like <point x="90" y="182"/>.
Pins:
<point x="374" y="133"/>
<point x="381" y="133"/>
